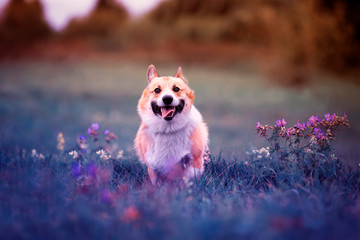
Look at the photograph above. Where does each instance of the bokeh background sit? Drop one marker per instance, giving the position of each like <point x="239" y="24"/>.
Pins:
<point x="66" y="64"/>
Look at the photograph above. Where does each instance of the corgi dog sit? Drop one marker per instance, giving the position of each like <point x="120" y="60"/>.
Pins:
<point x="172" y="138"/>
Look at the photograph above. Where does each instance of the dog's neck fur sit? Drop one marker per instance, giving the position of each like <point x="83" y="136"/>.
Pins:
<point x="171" y="143"/>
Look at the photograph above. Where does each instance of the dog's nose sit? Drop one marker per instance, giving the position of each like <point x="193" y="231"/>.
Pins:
<point x="167" y="99"/>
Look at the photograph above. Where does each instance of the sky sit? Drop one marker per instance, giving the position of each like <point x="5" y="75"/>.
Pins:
<point x="59" y="12"/>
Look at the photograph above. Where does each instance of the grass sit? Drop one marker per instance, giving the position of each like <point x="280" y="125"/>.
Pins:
<point x="42" y="198"/>
<point x="49" y="195"/>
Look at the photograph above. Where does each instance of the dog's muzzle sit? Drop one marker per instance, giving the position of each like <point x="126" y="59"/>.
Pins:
<point x="167" y="112"/>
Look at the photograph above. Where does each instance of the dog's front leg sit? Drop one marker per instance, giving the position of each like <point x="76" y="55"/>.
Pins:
<point x="185" y="161"/>
<point x="189" y="169"/>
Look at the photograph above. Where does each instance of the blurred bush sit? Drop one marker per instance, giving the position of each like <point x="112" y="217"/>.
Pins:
<point x="305" y="35"/>
<point x="22" y="23"/>
<point x="103" y="26"/>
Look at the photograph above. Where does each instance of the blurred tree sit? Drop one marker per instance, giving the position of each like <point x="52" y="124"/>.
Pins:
<point x="23" y="23"/>
<point x="104" y="21"/>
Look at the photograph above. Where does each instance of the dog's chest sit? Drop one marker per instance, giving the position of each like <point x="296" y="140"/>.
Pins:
<point x="168" y="149"/>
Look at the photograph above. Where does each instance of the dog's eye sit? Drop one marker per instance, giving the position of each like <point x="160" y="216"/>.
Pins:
<point x="157" y="90"/>
<point x="176" y="89"/>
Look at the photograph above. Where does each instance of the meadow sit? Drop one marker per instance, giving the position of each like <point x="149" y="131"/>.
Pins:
<point x="52" y="188"/>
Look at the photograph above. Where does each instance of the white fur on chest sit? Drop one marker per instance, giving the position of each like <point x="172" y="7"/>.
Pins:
<point x="171" y="140"/>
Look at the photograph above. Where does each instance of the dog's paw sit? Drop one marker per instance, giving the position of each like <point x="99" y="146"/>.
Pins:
<point x="185" y="160"/>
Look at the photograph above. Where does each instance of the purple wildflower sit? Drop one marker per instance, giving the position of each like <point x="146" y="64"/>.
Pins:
<point x="76" y="170"/>
<point x="313" y="120"/>
<point x="290" y="132"/>
<point x="262" y="129"/>
<point x="320" y="136"/>
<point x="82" y="138"/>
<point x="93" y="130"/>
<point x="317" y="131"/>
<point x="95" y="126"/>
<point x="106" y="132"/>
<point x="328" y="117"/>
<point x="301" y="126"/>
<point x="109" y="136"/>
<point x="280" y="123"/>
<point x="258" y="126"/>
<point x="81" y="141"/>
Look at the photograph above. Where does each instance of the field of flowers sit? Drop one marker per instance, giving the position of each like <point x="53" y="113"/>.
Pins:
<point x="282" y="165"/>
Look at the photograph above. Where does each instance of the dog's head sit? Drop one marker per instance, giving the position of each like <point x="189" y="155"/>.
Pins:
<point x="165" y="99"/>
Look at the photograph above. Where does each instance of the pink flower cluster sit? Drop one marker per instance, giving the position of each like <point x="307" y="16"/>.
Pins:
<point x="109" y="136"/>
<point x="323" y="130"/>
<point x="93" y="132"/>
<point x="280" y="123"/>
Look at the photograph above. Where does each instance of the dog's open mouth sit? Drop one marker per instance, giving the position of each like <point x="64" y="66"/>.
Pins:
<point x="168" y="112"/>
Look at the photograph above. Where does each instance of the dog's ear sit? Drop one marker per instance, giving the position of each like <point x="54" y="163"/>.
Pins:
<point x="151" y="73"/>
<point x="179" y="74"/>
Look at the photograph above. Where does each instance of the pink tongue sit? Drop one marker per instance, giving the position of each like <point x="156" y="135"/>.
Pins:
<point x="167" y="111"/>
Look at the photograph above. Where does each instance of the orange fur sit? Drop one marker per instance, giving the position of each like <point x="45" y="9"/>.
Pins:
<point x="198" y="137"/>
<point x="142" y="143"/>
